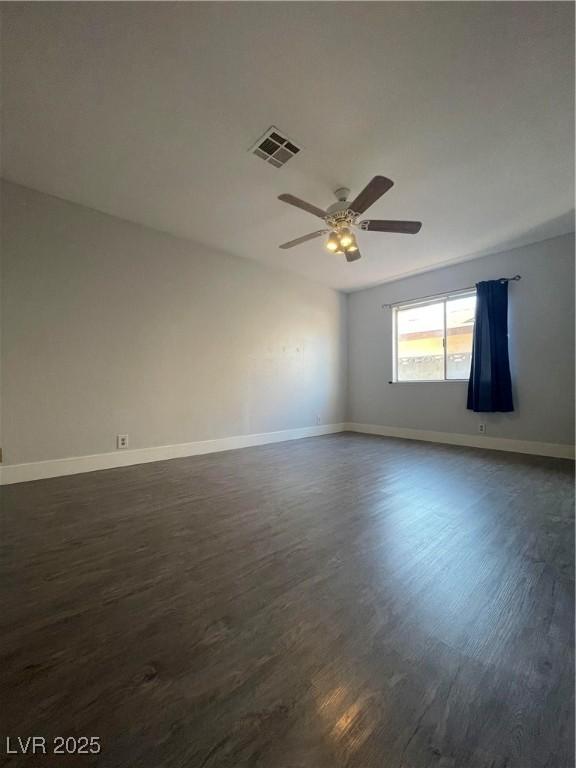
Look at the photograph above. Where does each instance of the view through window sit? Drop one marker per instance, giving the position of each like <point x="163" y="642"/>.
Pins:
<point x="434" y="339"/>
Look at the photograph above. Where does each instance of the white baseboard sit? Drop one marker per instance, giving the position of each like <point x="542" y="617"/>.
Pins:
<point x="39" y="470"/>
<point x="556" y="450"/>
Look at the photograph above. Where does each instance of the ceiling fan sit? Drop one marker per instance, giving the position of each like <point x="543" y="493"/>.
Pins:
<point x="341" y="218"/>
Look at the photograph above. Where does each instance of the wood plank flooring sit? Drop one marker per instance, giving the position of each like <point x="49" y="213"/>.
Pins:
<point x="343" y="601"/>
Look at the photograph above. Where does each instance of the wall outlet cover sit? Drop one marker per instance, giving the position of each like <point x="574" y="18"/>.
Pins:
<point x="121" y="441"/>
<point x="482" y="429"/>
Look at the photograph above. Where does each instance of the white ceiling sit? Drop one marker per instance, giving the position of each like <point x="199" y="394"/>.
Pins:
<point x="147" y="110"/>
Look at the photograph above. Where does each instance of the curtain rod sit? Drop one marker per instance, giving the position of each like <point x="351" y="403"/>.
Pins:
<point x="447" y="293"/>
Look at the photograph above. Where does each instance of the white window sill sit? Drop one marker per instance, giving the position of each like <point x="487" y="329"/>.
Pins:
<point x="432" y="381"/>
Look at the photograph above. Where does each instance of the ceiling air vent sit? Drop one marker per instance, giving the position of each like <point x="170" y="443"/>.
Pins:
<point x="275" y="148"/>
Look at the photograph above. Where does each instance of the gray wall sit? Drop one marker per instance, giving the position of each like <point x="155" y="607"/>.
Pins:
<point x="109" y="327"/>
<point x="541" y="329"/>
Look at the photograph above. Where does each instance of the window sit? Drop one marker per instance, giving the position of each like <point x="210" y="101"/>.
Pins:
<point x="433" y="338"/>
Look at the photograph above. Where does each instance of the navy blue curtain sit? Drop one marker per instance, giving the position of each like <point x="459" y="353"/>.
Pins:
<point x="490" y="386"/>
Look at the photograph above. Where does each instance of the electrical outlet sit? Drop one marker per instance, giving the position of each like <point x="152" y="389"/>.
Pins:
<point x="482" y="428"/>
<point x="318" y="419"/>
<point x="121" y="441"/>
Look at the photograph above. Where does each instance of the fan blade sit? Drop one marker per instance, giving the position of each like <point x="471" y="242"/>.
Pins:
<point x="353" y="256"/>
<point x="291" y="200"/>
<point x="371" y="192"/>
<point x="304" y="238"/>
<point x="405" y="227"/>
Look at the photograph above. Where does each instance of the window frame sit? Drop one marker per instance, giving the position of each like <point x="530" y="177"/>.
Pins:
<point x="438" y="299"/>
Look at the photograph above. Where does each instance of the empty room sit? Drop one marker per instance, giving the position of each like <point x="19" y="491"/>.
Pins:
<point x="287" y="384"/>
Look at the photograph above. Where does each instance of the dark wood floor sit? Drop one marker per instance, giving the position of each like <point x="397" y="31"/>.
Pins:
<point x="338" y="601"/>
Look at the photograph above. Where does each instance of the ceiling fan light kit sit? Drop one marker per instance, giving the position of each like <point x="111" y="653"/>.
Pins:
<point x="333" y="244"/>
<point x="342" y="218"/>
<point x="346" y="237"/>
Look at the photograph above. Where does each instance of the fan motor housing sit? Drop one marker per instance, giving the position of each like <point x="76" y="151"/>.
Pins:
<point x="339" y="215"/>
